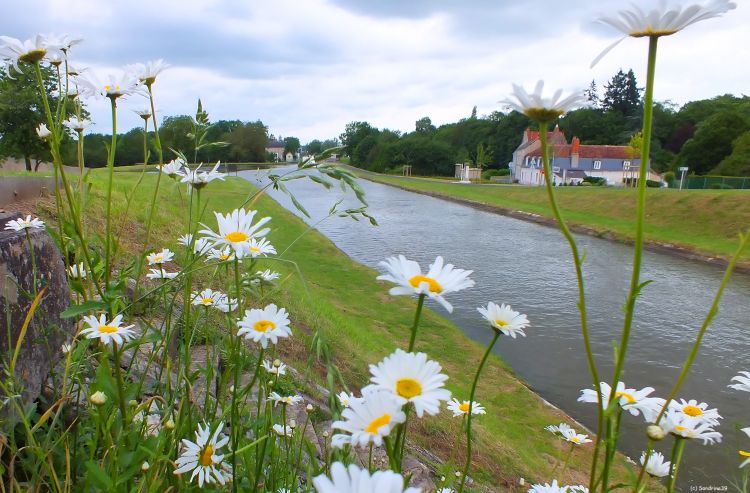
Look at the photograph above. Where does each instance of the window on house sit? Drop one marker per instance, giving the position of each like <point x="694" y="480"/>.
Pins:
<point x="556" y="169"/>
<point x="626" y="165"/>
<point x="597" y="165"/>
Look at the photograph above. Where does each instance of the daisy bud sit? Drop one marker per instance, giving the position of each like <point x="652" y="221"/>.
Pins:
<point x="66" y="348"/>
<point x="325" y="434"/>
<point x="277" y="363"/>
<point x="521" y="481"/>
<point x="231" y="389"/>
<point x="169" y="424"/>
<point x="292" y="424"/>
<point x="132" y="402"/>
<point x="98" y="398"/>
<point x="458" y="474"/>
<point x="145" y="466"/>
<point x="442" y="479"/>
<point x="655" y="432"/>
<point x="270" y="383"/>
<point x="309" y="408"/>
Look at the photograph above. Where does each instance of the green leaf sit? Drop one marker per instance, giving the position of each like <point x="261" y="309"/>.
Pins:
<point x="86" y="306"/>
<point x="99" y="479"/>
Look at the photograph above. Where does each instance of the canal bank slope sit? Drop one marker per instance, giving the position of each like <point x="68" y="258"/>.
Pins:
<point x="326" y="291"/>
<point x="700" y="225"/>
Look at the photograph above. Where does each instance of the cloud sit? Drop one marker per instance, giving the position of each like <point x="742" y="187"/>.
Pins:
<point x="308" y="68"/>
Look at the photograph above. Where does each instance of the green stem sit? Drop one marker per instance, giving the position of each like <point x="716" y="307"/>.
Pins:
<point x="567" y="461"/>
<point x="111" y="174"/>
<point x="120" y="392"/>
<point x="471" y="404"/>
<point x="578" y="263"/>
<point x="417" y="314"/>
<point x="613" y="434"/>
<point x="674" y="468"/>
<point x="33" y="263"/>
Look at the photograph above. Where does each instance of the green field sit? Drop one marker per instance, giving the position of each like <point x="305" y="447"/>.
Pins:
<point x="704" y="221"/>
<point x="362" y="324"/>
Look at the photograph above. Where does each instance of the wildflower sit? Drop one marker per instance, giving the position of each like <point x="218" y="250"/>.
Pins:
<point x="656" y="466"/>
<point x="63" y="42"/>
<point x="105" y="331"/>
<point x="274" y="369"/>
<point x="567" y="433"/>
<point x="350" y="479"/>
<point x="236" y="229"/>
<point x="201" y="456"/>
<point x="98" y="398"/>
<point x="173" y="169"/>
<point x="161" y="274"/>
<point x="113" y="87"/>
<point x="661" y="21"/>
<point x="744" y="453"/>
<point x="347" y="399"/>
<point x="288" y="400"/>
<point x="147" y="72"/>
<point x="631" y="400"/>
<point x="548" y="488"/>
<point x="75" y="71"/>
<point x="411" y="378"/>
<point x="655" y="432"/>
<point x="43" y="132"/>
<point x="461" y="408"/>
<point x="226" y="304"/>
<point x="21" y="224"/>
<point x="207" y="297"/>
<point x="686" y="426"/>
<point x="159" y="258"/>
<point x="77" y="271"/>
<point x="371" y="418"/>
<point x="539" y="109"/>
<point x="145" y="466"/>
<point x="504" y="319"/>
<point x="270" y="323"/>
<point x="224" y="255"/>
<point x="76" y="124"/>
<point x="144" y="113"/>
<point x="743" y="381"/>
<point x="440" y="279"/>
<point x="696" y="410"/>
<point x="283" y="430"/>
<point x="267" y="275"/>
<point x="28" y="51"/>
<point x="260" y="247"/>
<point x="198" y="179"/>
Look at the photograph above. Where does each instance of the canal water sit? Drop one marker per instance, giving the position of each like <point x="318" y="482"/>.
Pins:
<point x="529" y="266"/>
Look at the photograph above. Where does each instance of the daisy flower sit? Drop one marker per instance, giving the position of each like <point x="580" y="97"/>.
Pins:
<point x="371" y="418"/>
<point x="199" y="179"/>
<point x="236" y="229"/>
<point x="147" y="72"/>
<point x="283" y="430"/>
<point x="267" y="275"/>
<point x="685" y="426"/>
<point x="288" y="400"/>
<point x="105" y="331"/>
<point x="410" y="377"/>
<point x="743" y="381"/>
<point x="144" y="113"/>
<point x="43" y="132"/>
<point x="77" y="271"/>
<point x="441" y="279"/>
<point x="461" y="408"/>
<point x="661" y="21"/>
<point x="258" y="247"/>
<point x="224" y="255"/>
<point x="201" y="456"/>
<point x="173" y="169"/>
<point x="21" y="224"/>
<point x="226" y="304"/>
<point x="568" y="434"/>
<point x="340" y="441"/>
<point x="548" y="488"/>
<point x="353" y="479"/>
<point x="28" y="51"/>
<point x="656" y="466"/>
<point x="265" y="325"/>
<point x="744" y="453"/>
<point x="541" y="109"/>
<point x="632" y="400"/>
<point x="113" y="87"/>
<point x="63" y="42"/>
<point x="207" y="297"/>
<point x="504" y="319"/>
<point x="347" y="399"/>
<point x="273" y="368"/>
<point x="696" y="410"/>
<point x="161" y="274"/>
<point x="159" y="258"/>
<point x="76" y="124"/>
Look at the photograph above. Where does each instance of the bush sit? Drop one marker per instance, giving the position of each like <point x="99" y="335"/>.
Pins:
<point x="595" y="180"/>
<point x="653" y="184"/>
<point x="487" y="174"/>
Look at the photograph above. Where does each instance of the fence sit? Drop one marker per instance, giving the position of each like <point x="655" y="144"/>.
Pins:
<point x="720" y="182"/>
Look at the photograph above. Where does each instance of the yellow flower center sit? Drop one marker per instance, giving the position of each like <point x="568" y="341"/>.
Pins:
<point x="158" y="258"/>
<point x="464" y="406"/>
<point x="652" y="32"/>
<point x="255" y="249"/>
<point x="680" y="428"/>
<point x="236" y="236"/>
<point x="692" y="410"/>
<point x="408" y="388"/>
<point x="434" y="286"/>
<point x="264" y="325"/>
<point x="744" y="454"/>
<point x="501" y="323"/>
<point x="33" y="55"/>
<point x="208" y="301"/>
<point x="629" y="397"/>
<point x="575" y="439"/>
<point x="225" y="257"/>
<point x="109" y="329"/>
<point x="204" y="458"/>
<point x="376" y="423"/>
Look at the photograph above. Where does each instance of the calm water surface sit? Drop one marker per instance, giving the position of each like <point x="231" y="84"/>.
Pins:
<point x="530" y="267"/>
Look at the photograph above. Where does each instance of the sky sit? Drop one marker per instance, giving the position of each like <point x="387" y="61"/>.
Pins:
<point x="308" y="67"/>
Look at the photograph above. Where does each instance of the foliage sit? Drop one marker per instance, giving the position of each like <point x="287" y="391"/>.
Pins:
<point x="738" y="162"/>
<point x="712" y="141"/>
<point x="247" y="142"/>
<point x="621" y="94"/>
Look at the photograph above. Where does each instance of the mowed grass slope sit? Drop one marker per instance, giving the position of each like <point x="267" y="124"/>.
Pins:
<point x="707" y="221"/>
<point x="362" y="324"/>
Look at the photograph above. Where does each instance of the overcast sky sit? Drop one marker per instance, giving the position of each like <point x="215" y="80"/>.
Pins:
<point x="308" y="67"/>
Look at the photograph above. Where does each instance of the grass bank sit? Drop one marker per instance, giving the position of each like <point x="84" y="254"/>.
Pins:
<point x="362" y="324"/>
<point x="703" y="222"/>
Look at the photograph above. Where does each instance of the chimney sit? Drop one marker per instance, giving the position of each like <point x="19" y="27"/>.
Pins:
<point x="575" y="150"/>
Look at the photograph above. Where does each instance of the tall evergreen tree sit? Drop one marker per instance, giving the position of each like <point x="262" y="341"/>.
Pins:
<point x="592" y="95"/>
<point x="621" y="94"/>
